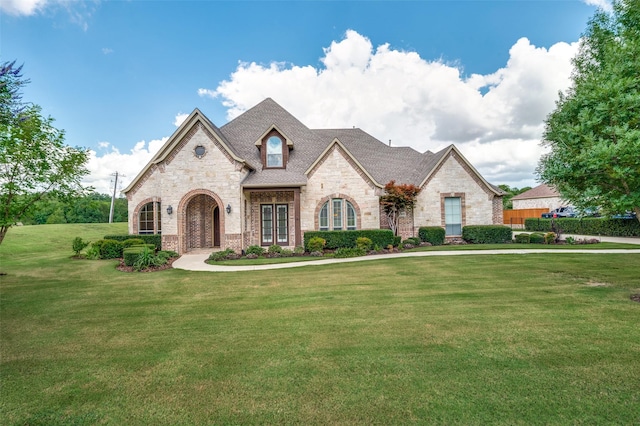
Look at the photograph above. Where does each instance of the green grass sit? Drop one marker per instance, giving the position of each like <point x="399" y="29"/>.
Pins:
<point x="536" y="339"/>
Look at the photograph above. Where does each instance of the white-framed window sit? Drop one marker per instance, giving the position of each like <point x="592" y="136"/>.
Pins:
<point x="337" y="214"/>
<point x="149" y="219"/>
<point x="274" y="152"/>
<point x="453" y="215"/>
<point x="275" y="224"/>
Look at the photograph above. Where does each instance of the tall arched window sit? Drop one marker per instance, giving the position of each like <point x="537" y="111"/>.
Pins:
<point x="337" y="214"/>
<point x="149" y="219"/>
<point x="274" y="152"/>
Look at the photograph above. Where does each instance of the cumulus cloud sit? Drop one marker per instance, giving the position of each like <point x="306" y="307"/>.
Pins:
<point x="22" y="7"/>
<point x="602" y="4"/>
<point x="496" y="120"/>
<point x="108" y="160"/>
<point x="78" y="12"/>
<point x="180" y="119"/>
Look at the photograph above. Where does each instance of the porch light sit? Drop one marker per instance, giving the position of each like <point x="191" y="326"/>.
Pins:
<point x="228" y="208"/>
<point x="169" y="210"/>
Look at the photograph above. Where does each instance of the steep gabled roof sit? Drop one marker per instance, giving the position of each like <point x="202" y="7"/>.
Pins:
<point x="240" y="138"/>
<point x="194" y="119"/>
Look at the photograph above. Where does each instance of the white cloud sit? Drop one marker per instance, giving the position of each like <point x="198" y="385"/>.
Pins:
<point x="78" y="12"/>
<point x="102" y="165"/>
<point x="603" y="4"/>
<point x="22" y="7"/>
<point x="496" y="120"/>
<point x="180" y="119"/>
<point x="107" y="50"/>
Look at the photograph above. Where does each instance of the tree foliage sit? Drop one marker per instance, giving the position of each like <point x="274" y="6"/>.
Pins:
<point x="396" y="200"/>
<point x="510" y="193"/>
<point x="34" y="161"/>
<point x="594" y="132"/>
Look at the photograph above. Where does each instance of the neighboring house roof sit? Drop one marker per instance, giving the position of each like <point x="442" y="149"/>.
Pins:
<point x="540" y="191"/>
<point x="379" y="161"/>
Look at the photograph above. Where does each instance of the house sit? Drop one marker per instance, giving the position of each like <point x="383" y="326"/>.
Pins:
<point x="541" y="197"/>
<point x="265" y="178"/>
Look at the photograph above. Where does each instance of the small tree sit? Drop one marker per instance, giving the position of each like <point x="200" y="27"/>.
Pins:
<point x="396" y="200"/>
<point x="34" y="161"/>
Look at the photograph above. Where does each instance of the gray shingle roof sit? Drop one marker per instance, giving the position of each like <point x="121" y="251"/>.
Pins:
<point x="540" y="191"/>
<point x="382" y="162"/>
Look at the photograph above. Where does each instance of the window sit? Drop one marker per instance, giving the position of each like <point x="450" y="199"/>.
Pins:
<point x="274" y="152"/>
<point x="147" y="218"/>
<point x="337" y="209"/>
<point x="453" y="216"/>
<point x="275" y="227"/>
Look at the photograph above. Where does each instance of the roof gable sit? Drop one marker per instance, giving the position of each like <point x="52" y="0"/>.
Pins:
<point x="540" y="191"/>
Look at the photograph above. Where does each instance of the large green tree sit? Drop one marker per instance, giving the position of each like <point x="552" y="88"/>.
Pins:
<point x="594" y="132"/>
<point x="34" y="161"/>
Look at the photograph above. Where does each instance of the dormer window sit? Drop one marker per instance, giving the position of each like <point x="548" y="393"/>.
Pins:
<point x="275" y="152"/>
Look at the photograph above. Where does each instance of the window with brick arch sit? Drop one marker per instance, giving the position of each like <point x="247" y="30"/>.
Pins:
<point x="337" y="214"/>
<point x="149" y="220"/>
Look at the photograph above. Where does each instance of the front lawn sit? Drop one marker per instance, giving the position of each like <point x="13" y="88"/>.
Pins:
<point x="536" y="339"/>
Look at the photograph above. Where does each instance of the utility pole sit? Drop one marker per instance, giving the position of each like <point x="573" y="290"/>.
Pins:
<point x="113" y="197"/>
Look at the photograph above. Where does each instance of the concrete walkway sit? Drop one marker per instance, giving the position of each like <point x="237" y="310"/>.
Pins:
<point x="196" y="261"/>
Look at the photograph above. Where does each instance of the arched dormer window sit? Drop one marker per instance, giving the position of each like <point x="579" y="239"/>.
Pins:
<point x="275" y="152"/>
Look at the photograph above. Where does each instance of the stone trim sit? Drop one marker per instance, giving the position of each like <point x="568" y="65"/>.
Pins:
<point x="474" y="175"/>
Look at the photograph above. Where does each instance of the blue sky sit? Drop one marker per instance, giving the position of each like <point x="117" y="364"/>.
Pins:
<point x="118" y="75"/>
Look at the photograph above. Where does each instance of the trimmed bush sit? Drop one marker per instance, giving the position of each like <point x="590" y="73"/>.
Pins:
<point x="364" y="243"/>
<point x="487" y="234"/>
<point x="132" y="242"/>
<point x="536" y="238"/>
<point x="316" y="244"/>
<point x="257" y="250"/>
<point x="523" y="238"/>
<point x="549" y="238"/>
<point x="337" y="239"/>
<point x="155" y="239"/>
<point x="274" y="248"/>
<point x="222" y="255"/>
<point x="298" y="250"/>
<point x="432" y="234"/>
<point x="129" y="255"/>
<point x="109" y="249"/>
<point x="586" y="226"/>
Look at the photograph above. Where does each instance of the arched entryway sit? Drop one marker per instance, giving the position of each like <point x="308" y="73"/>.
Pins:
<point x="202" y="221"/>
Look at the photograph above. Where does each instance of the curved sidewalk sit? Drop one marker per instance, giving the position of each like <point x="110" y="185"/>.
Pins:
<point x="196" y="262"/>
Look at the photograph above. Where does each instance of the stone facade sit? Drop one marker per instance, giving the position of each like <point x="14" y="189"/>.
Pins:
<point x="549" y="203"/>
<point x="200" y="179"/>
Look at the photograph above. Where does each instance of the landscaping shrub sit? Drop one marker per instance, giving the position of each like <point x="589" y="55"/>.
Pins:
<point x="78" y="245"/>
<point x="257" y="250"/>
<point x="286" y="252"/>
<point x="316" y="244"/>
<point x="93" y="252"/>
<point x="432" y="234"/>
<point x="155" y="239"/>
<point x="522" y="238"/>
<point x="298" y="250"/>
<point x="146" y="258"/>
<point x="129" y="255"/>
<point x="108" y="249"/>
<point x="343" y="252"/>
<point x="337" y="239"/>
<point x="587" y="226"/>
<point x="364" y="243"/>
<point x="132" y="242"/>
<point x="223" y="255"/>
<point x="549" y="238"/>
<point x="411" y="242"/>
<point x="487" y="234"/>
<point x="396" y="241"/>
<point x="536" y="238"/>
<point x="274" y="249"/>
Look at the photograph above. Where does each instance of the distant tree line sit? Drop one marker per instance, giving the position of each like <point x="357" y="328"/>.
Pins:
<point x="510" y="193"/>
<point x="91" y="208"/>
